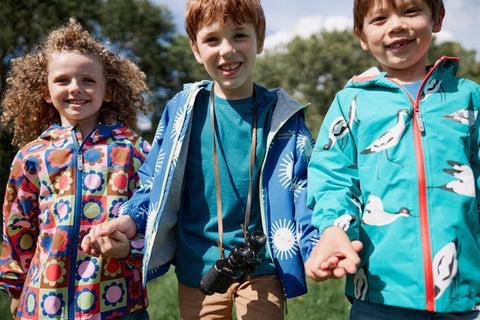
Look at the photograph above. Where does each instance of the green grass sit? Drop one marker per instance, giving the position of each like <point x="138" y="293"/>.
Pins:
<point x="324" y="301"/>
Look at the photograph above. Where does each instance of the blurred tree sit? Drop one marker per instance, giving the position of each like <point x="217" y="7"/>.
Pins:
<point x="135" y="28"/>
<point x="312" y="70"/>
<point x="143" y="32"/>
<point x="469" y="67"/>
<point x="25" y="22"/>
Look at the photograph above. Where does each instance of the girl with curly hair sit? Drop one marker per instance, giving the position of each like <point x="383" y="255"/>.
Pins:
<point x="72" y="104"/>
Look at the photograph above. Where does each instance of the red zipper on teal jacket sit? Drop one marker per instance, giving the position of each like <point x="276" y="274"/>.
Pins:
<point x="418" y="128"/>
<point x="422" y="199"/>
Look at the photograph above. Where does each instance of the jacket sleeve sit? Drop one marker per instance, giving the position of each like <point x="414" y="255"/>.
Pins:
<point x="137" y="206"/>
<point x="475" y="154"/>
<point x="20" y="228"/>
<point x="307" y="234"/>
<point x="333" y="185"/>
<point x="140" y="150"/>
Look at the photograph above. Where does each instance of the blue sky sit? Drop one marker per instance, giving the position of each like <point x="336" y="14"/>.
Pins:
<point x="287" y="18"/>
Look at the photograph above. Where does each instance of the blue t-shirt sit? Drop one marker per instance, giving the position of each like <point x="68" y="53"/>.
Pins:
<point x="412" y="88"/>
<point x="197" y="248"/>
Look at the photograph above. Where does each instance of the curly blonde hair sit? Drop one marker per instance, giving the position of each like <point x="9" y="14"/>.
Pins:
<point x="24" y="106"/>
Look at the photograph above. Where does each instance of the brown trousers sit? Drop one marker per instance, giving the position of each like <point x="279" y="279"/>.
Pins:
<point x="259" y="297"/>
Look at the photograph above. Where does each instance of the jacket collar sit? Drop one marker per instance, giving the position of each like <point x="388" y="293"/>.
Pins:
<point x="56" y="132"/>
<point x="374" y="76"/>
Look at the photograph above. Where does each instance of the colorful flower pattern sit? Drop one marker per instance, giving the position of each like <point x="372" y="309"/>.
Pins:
<point x="47" y="212"/>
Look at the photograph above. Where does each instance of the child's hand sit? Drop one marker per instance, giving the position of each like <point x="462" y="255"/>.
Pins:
<point x="333" y="256"/>
<point x="110" y="238"/>
<point x="116" y="245"/>
<point x="14" y="306"/>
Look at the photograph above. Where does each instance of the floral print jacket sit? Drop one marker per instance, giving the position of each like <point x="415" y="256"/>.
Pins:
<point x="59" y="187"/>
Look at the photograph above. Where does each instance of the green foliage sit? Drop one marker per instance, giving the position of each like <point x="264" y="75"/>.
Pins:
<point x="135" y="28"/>
<point x="469" y="68"/>
<point x="143" y="32"/>
<point x="324" y="301"/>
<point x="312" y="70"/>
<point x="25" y="22"/>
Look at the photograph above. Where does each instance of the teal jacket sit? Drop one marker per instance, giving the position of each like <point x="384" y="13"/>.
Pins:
<point x="399" y="173"/>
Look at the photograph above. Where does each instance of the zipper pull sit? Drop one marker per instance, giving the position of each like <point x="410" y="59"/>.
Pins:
<point x="418" y="116"/>
<point x="80" y="160"/>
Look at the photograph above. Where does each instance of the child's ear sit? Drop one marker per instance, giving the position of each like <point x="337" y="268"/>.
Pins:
<point x="437" y="25"/>
<point x="259" y="49"/>
<point x="47" y="97"/>
<point x="108" y="94"/>
<point x="363" y="41"/>
<point x="195" y="52"/>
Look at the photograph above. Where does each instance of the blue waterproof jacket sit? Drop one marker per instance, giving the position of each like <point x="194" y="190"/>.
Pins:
<point x="400" y="173"/>
<point x="286" y="217"/>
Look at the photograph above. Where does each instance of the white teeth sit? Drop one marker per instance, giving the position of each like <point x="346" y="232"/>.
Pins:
<point x="76" y="101"/>
<point x="230" y="67"/>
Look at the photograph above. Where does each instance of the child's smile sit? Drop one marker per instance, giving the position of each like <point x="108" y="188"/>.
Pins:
<point x="77" y="89"/>
<point x="228" y="53"/>
<point x="399" y="37"/>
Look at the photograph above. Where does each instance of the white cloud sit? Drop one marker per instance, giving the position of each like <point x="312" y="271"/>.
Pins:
<point x="338" y="23"/>
<point x="277" y="39"/>
<point x="444" y="35"/>
<point x="306" y="26"/>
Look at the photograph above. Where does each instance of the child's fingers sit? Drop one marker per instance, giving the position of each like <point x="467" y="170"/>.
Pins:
<point x="318" y="270"/>
<point x="87" y="245"/>
<point x="329" y="263"/>
<point x="86" y="241"/>
<point x="357" y="245"/>
<point x="338" y="273"/>
<point x="105" y="244"/>
<point x="348" y="266"/>
<point x="318" y="275"/>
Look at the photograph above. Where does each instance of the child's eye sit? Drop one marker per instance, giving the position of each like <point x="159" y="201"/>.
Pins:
<point x="412" y="11"/>
<point x="377" y="19"/>
<point x="61" y="80"/>
<point x="89" y="80"/>
<point x="211" y="40"/>
<point x="240" y="35"/>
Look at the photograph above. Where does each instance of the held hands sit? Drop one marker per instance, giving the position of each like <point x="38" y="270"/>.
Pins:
<point x="110" y="238"/>
<point x="14" y="306"/>
<point x="334" y="256"/>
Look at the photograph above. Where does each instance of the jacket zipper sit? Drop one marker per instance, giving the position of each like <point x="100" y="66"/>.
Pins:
<point x="77" y="220"/>
<point x="418" y="129"/>
<point x="76" y="225"/>
<point x="422" y="198"/>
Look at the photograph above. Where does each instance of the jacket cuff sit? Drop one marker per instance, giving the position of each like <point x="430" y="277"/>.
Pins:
<point x="351" y="227"/>
<point x="136" y="214"/>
